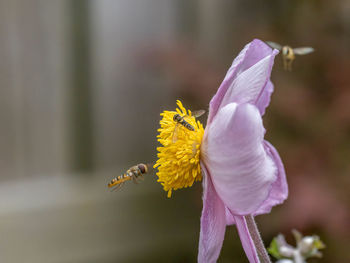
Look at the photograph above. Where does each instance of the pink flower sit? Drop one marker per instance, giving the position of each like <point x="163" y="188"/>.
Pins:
<point x="243" y="174"/>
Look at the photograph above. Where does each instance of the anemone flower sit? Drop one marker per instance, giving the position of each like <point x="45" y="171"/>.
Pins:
<point x="243" y="175"/>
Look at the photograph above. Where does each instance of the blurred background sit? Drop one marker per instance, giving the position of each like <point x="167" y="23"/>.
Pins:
<point x="82" y="86"/>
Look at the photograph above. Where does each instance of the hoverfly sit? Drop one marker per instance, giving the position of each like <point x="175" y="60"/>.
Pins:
<point x="180" y="120"/>
<point x="134" y="173"/>
<point x="288" y="53"/>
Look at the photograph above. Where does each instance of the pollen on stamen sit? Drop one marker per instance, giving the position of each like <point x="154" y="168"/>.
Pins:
<point x="178" y="159"/>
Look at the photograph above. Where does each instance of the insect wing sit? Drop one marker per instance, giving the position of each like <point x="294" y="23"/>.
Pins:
<point x="274" y="45"/>
<point x="176" y="129"/>
<point x="149" y="167"/>
<point x="198" y="113"/>
<point x="117" y="187"/>
<point x="303" y="50"/>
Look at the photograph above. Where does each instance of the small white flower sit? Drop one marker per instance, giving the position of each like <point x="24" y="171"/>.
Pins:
<point x="285" y="261"/>
<point x="306" y="247"/>
<point x="306" y="244"/>
<point x="286" y="251"/>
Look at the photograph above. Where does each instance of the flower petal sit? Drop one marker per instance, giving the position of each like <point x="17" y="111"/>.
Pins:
<point x="264" y="100"/>
<point x="247" y="78"/>
<point x="213" y="223"/>
<point x="230" y="220"/>
<point x="234" y="154"/>
<point x="279" y="190"/>
<point x="246" y="239"/>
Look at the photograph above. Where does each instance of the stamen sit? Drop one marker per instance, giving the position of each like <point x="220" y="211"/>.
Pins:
<point x="178" y="161"/>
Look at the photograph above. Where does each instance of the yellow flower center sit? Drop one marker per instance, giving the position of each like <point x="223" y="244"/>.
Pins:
<point x="178" y="157"/>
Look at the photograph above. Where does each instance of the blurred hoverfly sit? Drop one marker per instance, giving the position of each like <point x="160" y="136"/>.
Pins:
<point x="288" y="53"/>
<point x="134" y="173"/>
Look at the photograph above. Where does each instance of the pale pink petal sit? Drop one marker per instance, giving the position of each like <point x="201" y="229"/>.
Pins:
<point x="233" y="152"/>
<point x="279" y="188"/>
<point x="246" y="79"/>
<point x="246" y="239"/>
<point x="264" y="100"/>
<point x="249" y="85"/>
<point x="213" y="222"/>
<point x="230" y="220"/>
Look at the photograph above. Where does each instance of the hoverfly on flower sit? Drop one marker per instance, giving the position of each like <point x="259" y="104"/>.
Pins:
<point x="180" y="120"/>
<point x="179" y="155"/>
<point x="288" y="53"/>
<point x="134" y="173"/>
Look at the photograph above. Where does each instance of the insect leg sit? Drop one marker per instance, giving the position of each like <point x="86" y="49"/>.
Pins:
<point x="285" y="63"/>
<point x="134" y="179"/>
<point x="117" y="187"/>
<point x="138" y="176"/>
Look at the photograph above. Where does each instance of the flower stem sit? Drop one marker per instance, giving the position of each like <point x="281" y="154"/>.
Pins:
<point x="259" y="244"/>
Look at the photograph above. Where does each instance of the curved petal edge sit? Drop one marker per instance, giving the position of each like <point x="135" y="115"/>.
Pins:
<point x="279" y="188"/>
<point x="247" y="79"/>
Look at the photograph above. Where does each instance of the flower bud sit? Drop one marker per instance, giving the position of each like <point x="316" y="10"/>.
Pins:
<point x="306" y="244"/>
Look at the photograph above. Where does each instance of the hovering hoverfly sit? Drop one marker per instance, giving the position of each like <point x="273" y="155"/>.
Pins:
<point x="134" y="173"/>
<point x="180" y="120"/>
<point x="288" y="53"/>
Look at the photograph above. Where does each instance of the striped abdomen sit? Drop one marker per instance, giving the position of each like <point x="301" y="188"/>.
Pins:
<point x="187" y="125"/>
<point x="177" y="118"/>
